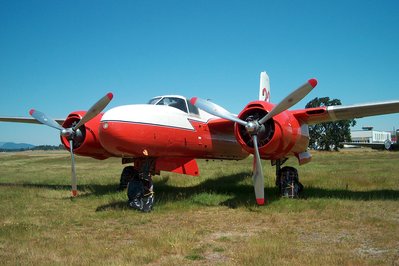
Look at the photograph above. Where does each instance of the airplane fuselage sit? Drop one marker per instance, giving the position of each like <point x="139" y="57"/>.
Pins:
<point x="162" y="131"/>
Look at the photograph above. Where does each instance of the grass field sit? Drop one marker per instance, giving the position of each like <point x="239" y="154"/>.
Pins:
<point x="349" y="214"/>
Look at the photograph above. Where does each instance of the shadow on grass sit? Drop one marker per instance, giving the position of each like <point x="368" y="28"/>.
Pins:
<point x="230" y="191"/>
<point x="88" y="190"/>
<point x="225" y="186"/>
<point x="232" y="187"/>
<point x="381" y="194"/>
<point x="243" y="194"/>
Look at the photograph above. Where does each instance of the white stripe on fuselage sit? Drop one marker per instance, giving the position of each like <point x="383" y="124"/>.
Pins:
<point x="159" y="115"/>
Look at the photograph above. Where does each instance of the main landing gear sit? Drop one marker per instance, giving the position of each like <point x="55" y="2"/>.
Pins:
<point x="137" y="179"/>
<point x="287" y="180"/>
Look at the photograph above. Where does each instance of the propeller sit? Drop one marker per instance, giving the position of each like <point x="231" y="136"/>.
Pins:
<point x="72" y="133"/>
<point x="254" y="127"/>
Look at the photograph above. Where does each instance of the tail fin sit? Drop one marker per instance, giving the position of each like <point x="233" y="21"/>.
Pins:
<point x="264" y="87"/>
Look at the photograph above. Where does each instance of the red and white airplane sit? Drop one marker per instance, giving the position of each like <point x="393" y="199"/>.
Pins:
<point x="170" y="132"/>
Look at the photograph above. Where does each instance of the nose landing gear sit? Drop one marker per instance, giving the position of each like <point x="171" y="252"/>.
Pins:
<point x="287" y="181"/>
<point x="139" y="185"/>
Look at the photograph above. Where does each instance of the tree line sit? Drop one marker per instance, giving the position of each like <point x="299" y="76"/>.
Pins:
<point x="37" y="148"/>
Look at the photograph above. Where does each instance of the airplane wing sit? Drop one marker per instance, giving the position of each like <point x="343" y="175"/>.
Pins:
<point x="29" y="120"/>
<point x="317" y="115"/>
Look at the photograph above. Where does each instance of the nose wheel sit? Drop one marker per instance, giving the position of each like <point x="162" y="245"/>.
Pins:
<point x="127" y="174"/>
<point x="138" y="181"/>
<point x="287" y="181"/>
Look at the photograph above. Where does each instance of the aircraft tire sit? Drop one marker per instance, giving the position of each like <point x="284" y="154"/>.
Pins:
<point x="127" y="174"/>
<point x="288" y="182"/>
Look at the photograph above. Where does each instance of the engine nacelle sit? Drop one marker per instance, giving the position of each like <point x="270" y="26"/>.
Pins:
<point x="86" y="142"/>
<point x="281" y="136"/>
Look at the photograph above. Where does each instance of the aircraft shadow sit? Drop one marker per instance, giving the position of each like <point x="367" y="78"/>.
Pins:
<point x="232" y="186"/>
<point x="242" y="195"/>
<point x="381" y="194"/>
<point x="226" y="185"/>
<point x="36" y="185"/>
<point x="92" y="189"/>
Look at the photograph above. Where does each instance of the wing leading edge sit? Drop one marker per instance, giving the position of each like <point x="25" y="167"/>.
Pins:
<point x="333" y="113"/>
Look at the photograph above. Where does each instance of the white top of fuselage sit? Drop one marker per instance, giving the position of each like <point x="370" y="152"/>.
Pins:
<point x="170" y="111"/>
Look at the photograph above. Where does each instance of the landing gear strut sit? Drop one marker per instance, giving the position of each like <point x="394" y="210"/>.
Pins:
<point x="287" y="180"/>
<point x="139" y="184"/>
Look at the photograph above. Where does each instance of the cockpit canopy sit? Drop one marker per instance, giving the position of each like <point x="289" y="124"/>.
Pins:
<point x="175" y="101"/>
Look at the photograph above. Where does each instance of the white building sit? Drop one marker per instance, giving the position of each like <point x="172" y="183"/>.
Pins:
<point x="368" y="135"/>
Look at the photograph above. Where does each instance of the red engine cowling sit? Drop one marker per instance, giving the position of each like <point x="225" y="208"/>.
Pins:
<point x="86" y="142"/>
<point x="282" y="136"/>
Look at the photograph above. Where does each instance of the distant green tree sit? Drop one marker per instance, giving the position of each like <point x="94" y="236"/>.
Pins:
<point x="48" y="147"/>
<point x="329" y="135"/>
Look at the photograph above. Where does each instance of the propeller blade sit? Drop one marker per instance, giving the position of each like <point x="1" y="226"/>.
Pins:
<point x="94" y="110"/>
<point x="74" y="180"/>
<point x="216" y="110"/>
<point x="44" y="119"/>
<point x="290" y="100"/>
<point x="257" y="177"/>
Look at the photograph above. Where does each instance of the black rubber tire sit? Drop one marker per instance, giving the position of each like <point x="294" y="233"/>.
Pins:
<point x="127" y="174"/>
<point x="289" y="184"/>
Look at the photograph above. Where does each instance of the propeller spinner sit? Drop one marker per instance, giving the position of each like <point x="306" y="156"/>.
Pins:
<point x="255" y="127"/>
<point x="72" y="133"/>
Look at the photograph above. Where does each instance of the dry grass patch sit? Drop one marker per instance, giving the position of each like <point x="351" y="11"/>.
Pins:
<point x="348" y="214"/>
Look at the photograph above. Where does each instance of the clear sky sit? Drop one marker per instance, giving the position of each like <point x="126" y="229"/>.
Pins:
<point x="60" y="56"/>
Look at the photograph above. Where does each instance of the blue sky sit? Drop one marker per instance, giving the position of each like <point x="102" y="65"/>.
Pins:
<point x="61" y="56"/>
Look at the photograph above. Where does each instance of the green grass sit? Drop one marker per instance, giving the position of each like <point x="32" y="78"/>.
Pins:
<point x="348" y="214"/>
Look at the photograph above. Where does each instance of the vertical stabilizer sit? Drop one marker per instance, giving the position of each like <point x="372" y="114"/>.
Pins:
<point x="264" y="87"/>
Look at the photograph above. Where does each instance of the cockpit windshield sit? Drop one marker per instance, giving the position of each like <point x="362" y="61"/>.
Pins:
<point x="174" y="102"/>
<point x="154" y="100"/>
<point x="180" y="103"/>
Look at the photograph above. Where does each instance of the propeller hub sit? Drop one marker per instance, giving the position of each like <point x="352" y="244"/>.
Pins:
<point x="67" y="132"/>
<point x="252" y="127"/>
